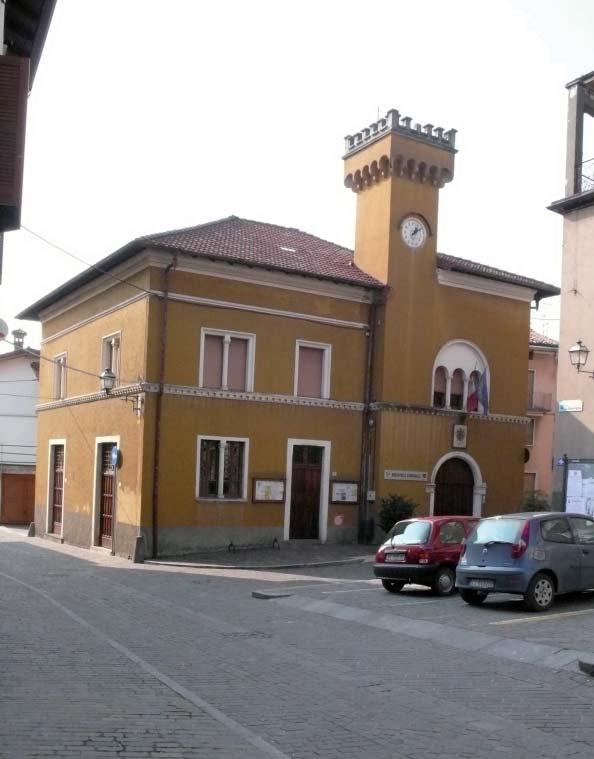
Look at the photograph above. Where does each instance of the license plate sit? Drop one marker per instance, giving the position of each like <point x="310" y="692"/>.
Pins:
<point x="396" y="557"/>
<point x="475" y="583"/>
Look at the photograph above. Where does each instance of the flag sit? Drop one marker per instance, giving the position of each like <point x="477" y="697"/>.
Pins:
<point x="473" y="399"/>
<point x="483" y="393"/>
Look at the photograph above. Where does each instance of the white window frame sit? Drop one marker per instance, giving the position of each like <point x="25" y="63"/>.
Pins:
<point x="326" y="365"/>
<point x="60" y="387"/>
<point x="53" y="443"/>
<point x="104" y="364"/>
<point x="532" y="423"/>
<point x="227" y="334"/>
<point x="246" y="457"/>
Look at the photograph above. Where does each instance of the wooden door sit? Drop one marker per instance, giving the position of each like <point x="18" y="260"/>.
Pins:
<point x="305" y="492"/>
<point x="18" y="498"/>
<point x="58" y="489"/>
<point x="106" y="496"/>
<point x="454" y="485"/>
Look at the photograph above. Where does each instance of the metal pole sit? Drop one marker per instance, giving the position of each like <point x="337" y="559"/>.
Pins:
<point x="565" y="474"/>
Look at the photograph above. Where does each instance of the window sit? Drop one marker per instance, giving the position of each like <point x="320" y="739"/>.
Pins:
<point x="410" y="533"/>
<point x="530" y="433"/>
<point x="461" y="378"/>
<point x="222" y="468"/>
<point x="312" y="369"/>
<point x="451" y="532"/>
<point x="110" y="354"/>
<point x="583" y="529"/>
<point x="227" y="360"/>
<point x="60" y="376"/>
<point x="555" y="531"/>
<point x="457" y="390"/>
<point x="531" y="389"/>
<point x="439" y="388"/>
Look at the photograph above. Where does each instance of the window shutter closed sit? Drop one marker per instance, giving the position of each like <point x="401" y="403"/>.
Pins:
<point x="311" y="363"/>
<point x="236" y="370"/>
<point x="213" y="361"/>
<point x="14" y="82"/>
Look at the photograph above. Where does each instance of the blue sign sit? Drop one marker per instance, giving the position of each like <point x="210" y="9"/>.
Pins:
<point x="115" y="456"/>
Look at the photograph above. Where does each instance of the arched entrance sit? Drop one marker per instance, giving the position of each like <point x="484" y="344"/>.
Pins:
<point x="454" y="488"/>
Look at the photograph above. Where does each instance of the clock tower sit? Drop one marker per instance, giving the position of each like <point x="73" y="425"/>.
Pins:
<point x="397" y="169"/>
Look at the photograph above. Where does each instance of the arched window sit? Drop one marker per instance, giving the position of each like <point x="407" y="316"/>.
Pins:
<point x="439" y="387"/>
<point x="461" y="378"/>
<point x="457" y="390"/>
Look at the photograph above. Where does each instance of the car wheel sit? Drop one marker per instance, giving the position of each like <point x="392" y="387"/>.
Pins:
<point x="541" y="592"/>
<point x="393" y="586"/>
<point x="444" y="581"/>
<point x="473" y="597"/>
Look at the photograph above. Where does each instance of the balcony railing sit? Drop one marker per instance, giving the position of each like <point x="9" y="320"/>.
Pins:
<point x="587" y="175"/>
<point x="540" y="402"/>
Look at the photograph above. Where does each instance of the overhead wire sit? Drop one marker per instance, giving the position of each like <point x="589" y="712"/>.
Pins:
<point x="86" y="263"/>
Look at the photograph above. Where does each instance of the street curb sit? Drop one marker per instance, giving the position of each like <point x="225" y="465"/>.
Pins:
<point x="192" y="565"/>
<point x="269" y="596"/>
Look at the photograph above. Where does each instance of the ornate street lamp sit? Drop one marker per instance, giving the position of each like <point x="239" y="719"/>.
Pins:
<point x="578" y="355"/>
<point x="108" y="380"/>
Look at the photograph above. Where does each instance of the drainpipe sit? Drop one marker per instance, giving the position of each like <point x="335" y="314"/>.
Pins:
<point x="158" y="405"/>
<point x="367" y="431"/>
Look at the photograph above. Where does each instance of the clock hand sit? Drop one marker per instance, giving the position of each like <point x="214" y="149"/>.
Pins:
<point x="415" y="230"/>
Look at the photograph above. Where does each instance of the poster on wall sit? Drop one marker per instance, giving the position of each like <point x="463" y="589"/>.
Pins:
<point x="579" y="487"/>
<point x="268" y="490"/>
<point x="344" y="492"/>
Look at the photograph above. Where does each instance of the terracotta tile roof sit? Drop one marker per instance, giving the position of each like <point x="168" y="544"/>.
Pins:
<point x="537" y="339"/>
<point x="452" y="263"/>
<point x="267" y="245"/>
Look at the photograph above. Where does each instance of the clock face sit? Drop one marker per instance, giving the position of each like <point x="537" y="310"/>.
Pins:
<point x="413" y="231"/>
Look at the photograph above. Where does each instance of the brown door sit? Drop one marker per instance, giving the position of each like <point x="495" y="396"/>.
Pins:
<point x="305" y="492"/>
<point x="106" y="492"/>
<point x="58" y="489"/>
<point x="18" y="497"/>
<point x="454" y="485"/>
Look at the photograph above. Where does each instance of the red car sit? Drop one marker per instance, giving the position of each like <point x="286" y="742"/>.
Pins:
<point x="424" y="551"/>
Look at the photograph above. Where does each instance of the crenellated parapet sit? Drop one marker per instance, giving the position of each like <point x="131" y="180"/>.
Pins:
<point x="393" y="122"/>
<point x="393" y="146"/>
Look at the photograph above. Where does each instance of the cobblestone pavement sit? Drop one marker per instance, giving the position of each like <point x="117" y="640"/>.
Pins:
<point x="99" y="656"/>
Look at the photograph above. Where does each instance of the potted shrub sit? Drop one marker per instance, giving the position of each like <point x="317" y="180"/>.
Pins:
<point x="394" y="508"/>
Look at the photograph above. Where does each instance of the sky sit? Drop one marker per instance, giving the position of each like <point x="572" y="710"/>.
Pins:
<point x="147" y="116"/>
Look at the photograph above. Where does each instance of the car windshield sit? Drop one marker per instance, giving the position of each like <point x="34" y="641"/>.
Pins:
<point x="496" y="531"/>
<point x="407" y="533"/>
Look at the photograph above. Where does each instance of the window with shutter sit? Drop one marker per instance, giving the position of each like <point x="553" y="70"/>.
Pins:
<point x="227" y="360"/>
<point x="312" y="371"/>
<point x="14" y="80"/>
<point x="60" y="376"/>
<point x="237" y="366"/>
<point x="213" y="361"/>
<point x="110" y="354"/>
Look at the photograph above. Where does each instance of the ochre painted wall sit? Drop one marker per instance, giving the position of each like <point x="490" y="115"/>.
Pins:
<point x="80" y="425"/>
<point x="268" y="427"/>
<point x="416" y="442"/>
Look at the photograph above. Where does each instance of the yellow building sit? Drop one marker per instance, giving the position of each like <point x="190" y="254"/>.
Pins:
<point x="272" y="385"/>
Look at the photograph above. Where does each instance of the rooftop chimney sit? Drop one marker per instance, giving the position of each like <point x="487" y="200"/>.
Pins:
<point x="19" y="336"/>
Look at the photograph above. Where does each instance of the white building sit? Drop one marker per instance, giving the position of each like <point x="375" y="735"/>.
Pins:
<point x="19" y="381"/>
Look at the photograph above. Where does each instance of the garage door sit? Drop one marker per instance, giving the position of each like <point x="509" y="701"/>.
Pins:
<point x="18" y="498"/>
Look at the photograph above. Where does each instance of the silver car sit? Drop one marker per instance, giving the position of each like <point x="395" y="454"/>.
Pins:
<point x="536" y="555"/>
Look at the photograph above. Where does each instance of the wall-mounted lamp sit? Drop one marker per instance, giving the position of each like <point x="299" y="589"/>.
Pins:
<point x="108" y="382"/>
<point x="578" y="355"/>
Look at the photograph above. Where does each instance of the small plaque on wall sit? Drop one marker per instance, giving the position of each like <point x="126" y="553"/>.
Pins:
<point x="268" y="490"/>
<point x="459" y="436"/>
<point x="344" y="492"/>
